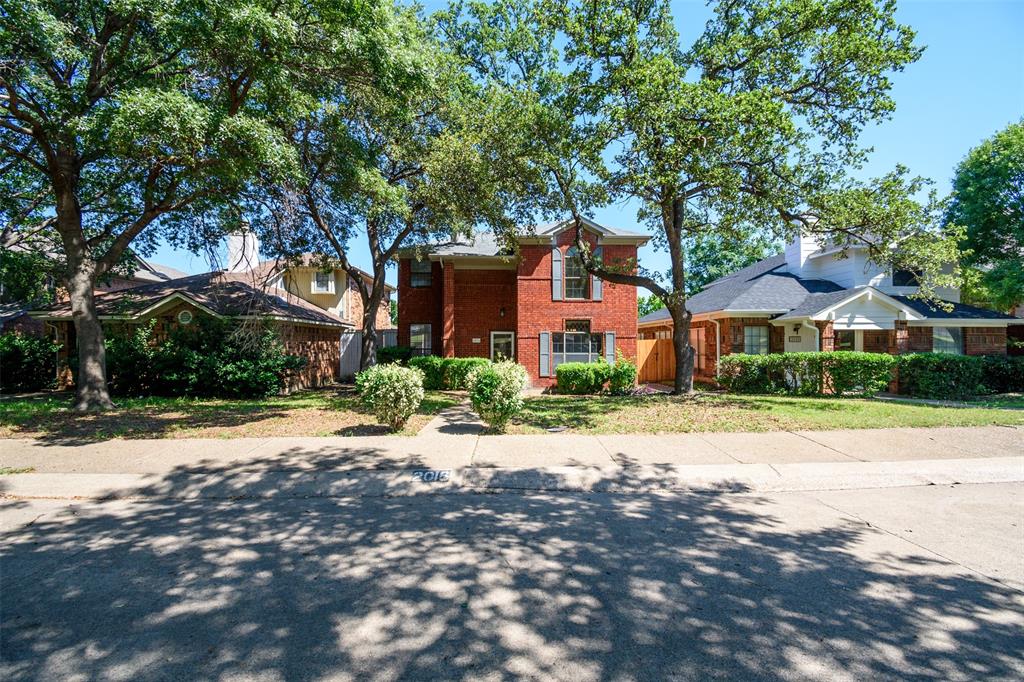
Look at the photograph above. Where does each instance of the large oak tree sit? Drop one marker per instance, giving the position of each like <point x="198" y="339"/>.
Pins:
<point x="121" y="117"/>
<point x="753" y="127"/>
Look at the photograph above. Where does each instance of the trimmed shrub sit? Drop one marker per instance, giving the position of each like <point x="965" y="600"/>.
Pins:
<point x="496" y="392"/>
<point x="622" y="377"/>
<point x="210" y="358"/>
<point x="839" y="373"/>
<point x="391" y="392"/>
<point x="27" y="363"/>
<point x="393" y="354"/>
<point x="446" y="373"/>
<point x="581" y="378"/>
<point x="457" y="371"/>
<point x="941" y="376"/>
<point x="433" y="371"/>
<point x="1001" y="374"/>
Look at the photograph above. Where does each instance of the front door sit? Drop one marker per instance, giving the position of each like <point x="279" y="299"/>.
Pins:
<point x="503" y="346"/>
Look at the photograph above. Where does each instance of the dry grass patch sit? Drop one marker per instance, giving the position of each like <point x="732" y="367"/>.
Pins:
<point x="332" y="411"/>
<point x="706" y="412"/>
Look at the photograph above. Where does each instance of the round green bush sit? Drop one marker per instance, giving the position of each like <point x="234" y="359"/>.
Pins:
<point x="496" y="392"/>
<point x="391" y="392"/>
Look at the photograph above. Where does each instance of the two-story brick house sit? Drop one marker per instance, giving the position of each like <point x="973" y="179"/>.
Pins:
<point x="534" y="303"/>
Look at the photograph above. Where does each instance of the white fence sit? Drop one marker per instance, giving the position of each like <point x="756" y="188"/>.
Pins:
<point x="352" y="348"/>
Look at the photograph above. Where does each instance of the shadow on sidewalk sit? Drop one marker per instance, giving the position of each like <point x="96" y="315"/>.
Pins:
<point x="541" y="586"/>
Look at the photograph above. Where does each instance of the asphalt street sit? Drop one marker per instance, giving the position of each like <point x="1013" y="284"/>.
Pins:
<point x="918" y="582"/>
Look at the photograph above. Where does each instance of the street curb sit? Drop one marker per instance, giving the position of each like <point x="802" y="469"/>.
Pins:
<point x="732" y="478"/>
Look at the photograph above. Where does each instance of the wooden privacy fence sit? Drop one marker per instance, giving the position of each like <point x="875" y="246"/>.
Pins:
<point x="655" y="360"/>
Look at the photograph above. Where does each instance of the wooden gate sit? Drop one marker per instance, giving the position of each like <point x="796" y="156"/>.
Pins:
<point x="655" y="360"/>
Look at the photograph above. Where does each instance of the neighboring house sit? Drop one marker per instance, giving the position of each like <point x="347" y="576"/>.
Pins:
<point x="304" y="328"/>
<point x="537" y="306"/>
<point x="312" y="309"/>
<point x="808" y="299"/>
<point x="330" y="288"/>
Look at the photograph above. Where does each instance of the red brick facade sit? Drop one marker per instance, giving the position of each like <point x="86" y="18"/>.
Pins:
<point x="464" y="305"/>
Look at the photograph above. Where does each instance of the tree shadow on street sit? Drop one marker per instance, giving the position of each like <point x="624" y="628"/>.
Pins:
<point x="581" y="586"/>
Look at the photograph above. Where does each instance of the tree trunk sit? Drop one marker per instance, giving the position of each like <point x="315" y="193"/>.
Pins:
<point x="371" y="304"/>
<point x="91" y="382"/>
<point x="683" y="381"/>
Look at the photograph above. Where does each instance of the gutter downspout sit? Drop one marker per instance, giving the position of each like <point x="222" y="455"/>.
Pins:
<point x="817" y="334"/>
<point x="718" y="345"/>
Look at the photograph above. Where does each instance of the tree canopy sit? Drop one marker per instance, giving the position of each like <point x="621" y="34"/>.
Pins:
<point x="988" y="201"/>
<point x="753" y="127"/>
<point x="123" y="120"/>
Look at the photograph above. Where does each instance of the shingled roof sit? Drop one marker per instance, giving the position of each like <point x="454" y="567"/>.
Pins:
<point x="220" y="293"/>
<point x="767" y="287"/>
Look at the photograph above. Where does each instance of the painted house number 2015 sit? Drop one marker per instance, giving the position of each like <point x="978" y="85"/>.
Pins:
<point x="432" y="475"/>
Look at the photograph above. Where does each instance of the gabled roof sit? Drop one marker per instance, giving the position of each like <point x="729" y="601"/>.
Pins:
<point x="222" y="294"/>
<point x="487" y="244"/>
<point x="764" y="287"/>
<point x="155" y="272"/>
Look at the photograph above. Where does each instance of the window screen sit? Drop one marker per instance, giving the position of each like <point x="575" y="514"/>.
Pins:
<point x="577" y="281"/>
<point x="421" y="273"/>
<point x="948" y="340"/>
<point x="755" y="340"/>
<point x="420" y="338"/>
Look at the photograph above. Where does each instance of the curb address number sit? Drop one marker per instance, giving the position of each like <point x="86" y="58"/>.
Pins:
<point x="432" y="475"/>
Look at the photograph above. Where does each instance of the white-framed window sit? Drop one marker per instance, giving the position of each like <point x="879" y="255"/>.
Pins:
<point x="323" y="282"/>
<point x="420" y="339"/>
<point x="755" y="340"/>
<point x="503" y="346"/>
<point x="577" y="280"/>
<point x="948" y="340"/>
<point x="697" y="342"/>
<point x="422" y="271"/>
<point x="576" y="344"/>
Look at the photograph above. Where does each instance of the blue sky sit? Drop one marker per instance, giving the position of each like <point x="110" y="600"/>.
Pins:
<point x="968" y="85"/>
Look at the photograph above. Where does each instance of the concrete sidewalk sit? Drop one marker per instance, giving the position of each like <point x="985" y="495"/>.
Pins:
<point x="459" y="446"/>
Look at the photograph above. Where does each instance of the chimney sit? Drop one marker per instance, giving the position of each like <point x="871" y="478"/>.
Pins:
<point x="243" y="250"/>
<point x="799" y="248"/>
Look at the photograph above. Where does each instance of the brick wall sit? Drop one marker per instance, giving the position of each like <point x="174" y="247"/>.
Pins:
<point x="536" y="312"/>
<point x="481" y="298"/>
<point x="419" y="305"/>
<point x="984" y="340"/>
<point x="919" y="339"/>
<point x="355" y="307"/>
<point x="880" y="341"/>
<point x="732" y="334"/>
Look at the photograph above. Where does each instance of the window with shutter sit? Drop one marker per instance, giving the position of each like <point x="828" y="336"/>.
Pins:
<point x="556" y="274"/>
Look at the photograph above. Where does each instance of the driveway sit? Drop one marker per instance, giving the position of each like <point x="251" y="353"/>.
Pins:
<point x="921" y="582"/>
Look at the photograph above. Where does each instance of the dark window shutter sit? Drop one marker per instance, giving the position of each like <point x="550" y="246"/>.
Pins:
<point x="545" y="354"/>
<point x="556" y="274"/>
<point x="609" y="347"/>
<point x="595" y="281"/>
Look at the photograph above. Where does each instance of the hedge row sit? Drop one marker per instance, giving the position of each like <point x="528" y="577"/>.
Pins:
<point x="948" y="377"/>
<point x="925" y="375"/>
<point x="446" y="373"/>
<point x="582" y="378"/>
<point x="838" y="373"/>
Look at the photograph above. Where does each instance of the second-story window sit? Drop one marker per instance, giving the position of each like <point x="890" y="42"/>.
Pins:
<point x="421" y="273"/>
<point x="577" y="280"/>
<point x="905" y="278"/>
<point x="323" y="282"/>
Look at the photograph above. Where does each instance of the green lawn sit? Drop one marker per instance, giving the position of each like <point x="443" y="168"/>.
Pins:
<point x="715" y="412"/>
<point x="333" y="411"/>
